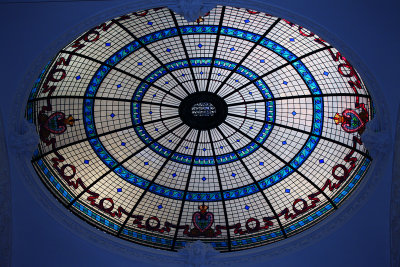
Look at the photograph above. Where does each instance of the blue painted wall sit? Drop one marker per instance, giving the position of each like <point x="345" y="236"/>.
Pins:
<point x="370" y="28"/>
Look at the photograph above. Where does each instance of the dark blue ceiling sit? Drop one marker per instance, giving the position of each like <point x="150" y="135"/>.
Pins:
<point x="370" y="28"/>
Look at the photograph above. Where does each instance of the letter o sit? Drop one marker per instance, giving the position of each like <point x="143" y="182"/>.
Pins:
<point x="351" y="74"/>
<point x="342" y="177"/>
<point x="54" y="71"/>
<point x="255" y="228"/>
<point x="62" y="172"/>
<point x="305" y="206"/>
<point x="152" y="228"/>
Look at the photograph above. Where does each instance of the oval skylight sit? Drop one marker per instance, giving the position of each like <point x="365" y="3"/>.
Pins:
<point x="239" y="129"/>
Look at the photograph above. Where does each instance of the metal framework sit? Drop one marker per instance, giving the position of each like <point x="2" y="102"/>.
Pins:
<point x="222" y="145"/>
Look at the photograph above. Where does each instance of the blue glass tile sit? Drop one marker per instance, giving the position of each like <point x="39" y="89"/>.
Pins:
<point x="221" y="147"/>
<point x="119" y="189"/>
<point x="294" y="113"/>
<point x="250" y="93"/>
<point x="156" y="129"/>
<point x="123" y="144"/>
<point x="255" y="110"/>
<point x="183" y="75"/>
<point x="261" y="163"/>
<point x="140" y="63"/>
<point x="291" y="39"/>
<point x="204" y="178"/>
<point x="174" y="175"/>
<point x="238" y="140"/>
<point x="112" y="115"/>
<point x="285" y="82"/>
<point x="119" y="85"/>
<point x="186" y="147"/>
<point x="204" y="149"/>
<point x="150" y="112"/>
<point x="86" y="161"/>
<point x="237" y="81"/>
<point x="160" y="207"/>
<point x="166" y="82"/>
<point x="251" y="127"/>
<point x="219" y="74"/>
<point x="247" y="207"/>
<point x="287" y="190"/>
<point x="246" y="21"/>
<point x="200" y="45"/>
<point x="108" y="44"/>
<point x="326" y="73"/>
<point x="321" y="161"/>
<point x="233" y="174"/>
<point x="284" y="143"/>
<point x="146" y="163"/>
<point x="170" y="141"/>
<point x="232" y="49"/>
<point x="201" y="72"/>
<point x="149" y="23"/>
<point x="168" y="50"/>
<point x="262" y="60"/>
<point x="78" y="77"/>
<point x="154" y="95"/>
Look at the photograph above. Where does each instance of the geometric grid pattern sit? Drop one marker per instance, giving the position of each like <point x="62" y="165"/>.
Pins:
<point x="115" y="151"/>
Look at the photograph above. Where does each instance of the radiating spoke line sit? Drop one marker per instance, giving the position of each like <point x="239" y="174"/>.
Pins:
<point x="103" y="98"/>
<point x="247" y="55"/>
<point x="186" y="190"/>
<point x="124" y="72"/>
<point x="152" y="181"/>
<point x="152" y="54"/>
<point x="122" y="162"/>
<point x="276" y="69"/>
<point x="215" y="47"/>
<point x="254" y="181"/>
<point x="304" y="132"/>
<point x="103" y="134"/>
<point x="284" y="162"/>
<point x="220" y="189"/>
<point x="295" y="97"/>
<point x="185" y="50"/>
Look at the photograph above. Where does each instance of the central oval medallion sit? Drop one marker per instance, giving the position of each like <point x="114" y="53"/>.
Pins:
<point x="203" y="110"/>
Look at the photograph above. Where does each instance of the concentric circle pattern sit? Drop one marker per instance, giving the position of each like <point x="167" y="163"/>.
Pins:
<point x="240" y="129"/>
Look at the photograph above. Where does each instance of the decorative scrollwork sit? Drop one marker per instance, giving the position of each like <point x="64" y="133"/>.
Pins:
<point x="191" y="10"/>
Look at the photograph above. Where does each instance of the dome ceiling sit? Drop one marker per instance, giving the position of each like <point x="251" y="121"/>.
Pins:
<point x="239" y="129"/>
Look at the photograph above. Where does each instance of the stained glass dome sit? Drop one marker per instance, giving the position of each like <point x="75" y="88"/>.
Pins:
<point x="240" y="129"/>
